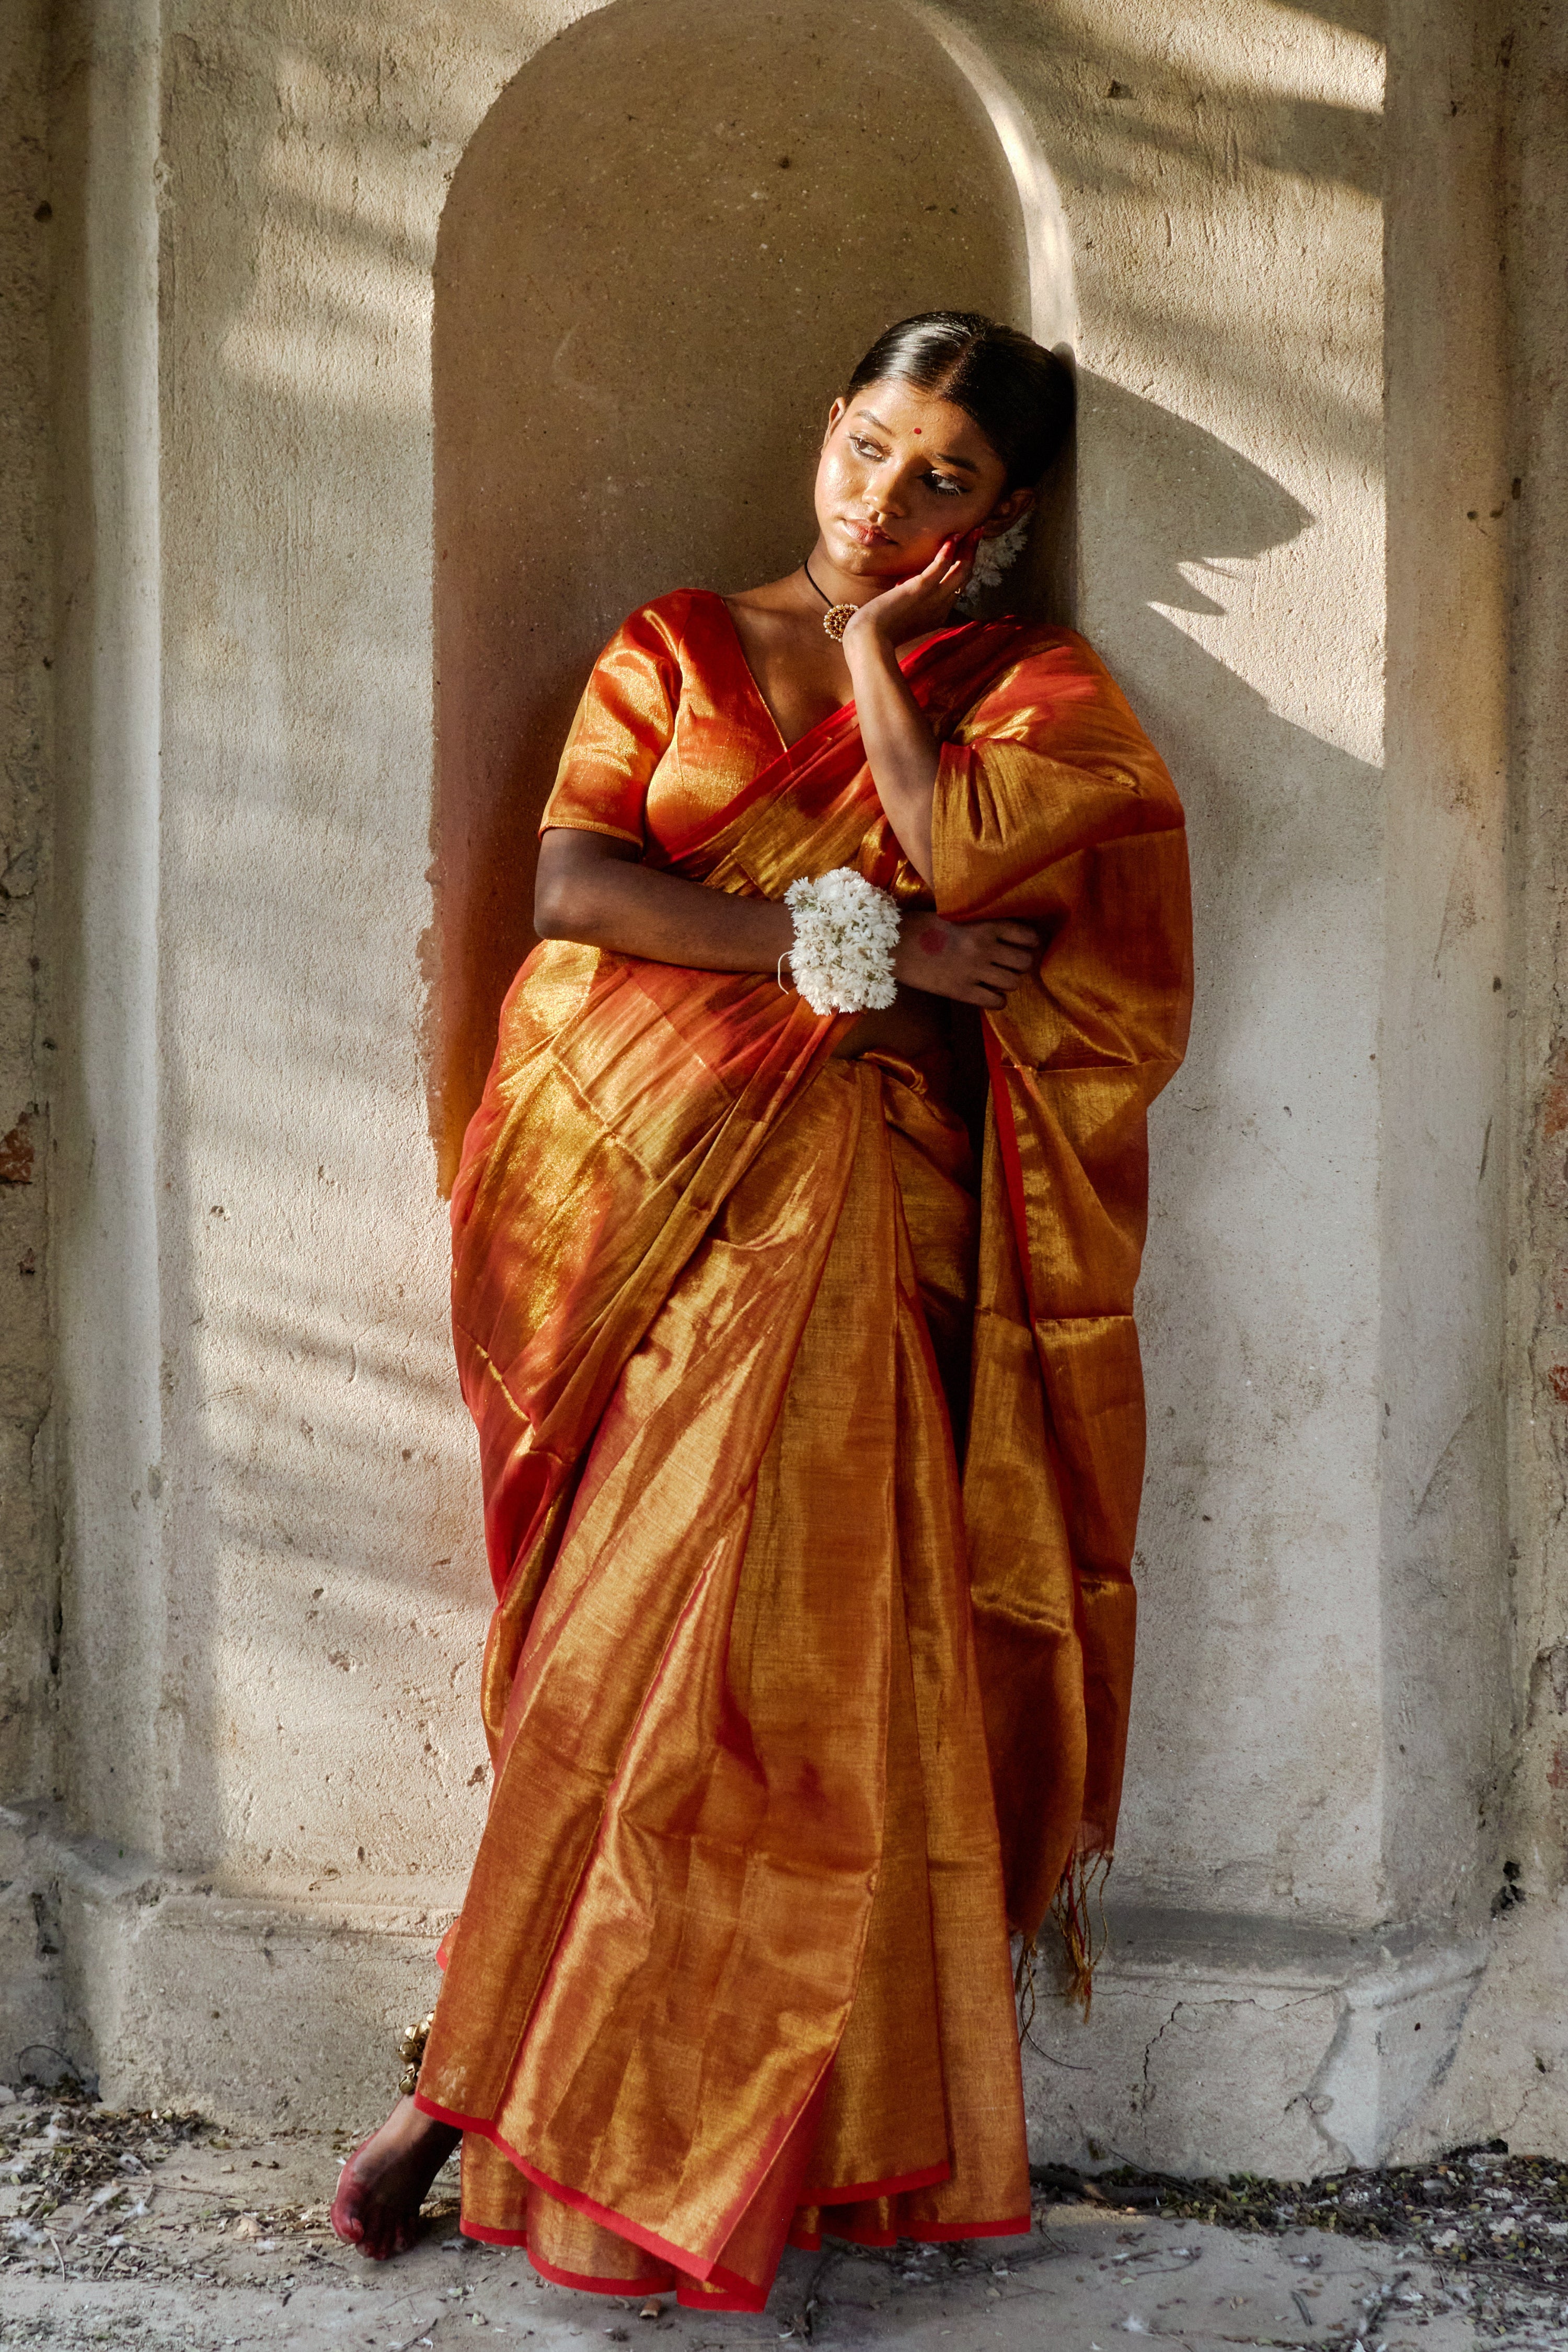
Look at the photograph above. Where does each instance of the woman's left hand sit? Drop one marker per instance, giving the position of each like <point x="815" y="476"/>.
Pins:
<point x="913" y="607"/>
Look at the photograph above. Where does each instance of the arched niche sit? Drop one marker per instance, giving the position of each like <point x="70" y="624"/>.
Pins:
<point x="668" y="241"/>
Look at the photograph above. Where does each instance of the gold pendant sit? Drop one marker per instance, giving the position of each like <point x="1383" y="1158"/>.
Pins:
<point x="836" y="619"/>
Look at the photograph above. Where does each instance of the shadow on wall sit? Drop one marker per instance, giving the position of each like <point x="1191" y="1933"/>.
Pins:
<point x="1283" y="828"/>
<point x="665" y="246"/>
<point x="1177" y="499"/>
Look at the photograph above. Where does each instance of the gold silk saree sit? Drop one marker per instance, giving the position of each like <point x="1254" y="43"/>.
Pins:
<point x="811" y="1429"/>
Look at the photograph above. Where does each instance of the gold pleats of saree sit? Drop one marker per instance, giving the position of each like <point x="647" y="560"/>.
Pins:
<point x="781" y="1982"/>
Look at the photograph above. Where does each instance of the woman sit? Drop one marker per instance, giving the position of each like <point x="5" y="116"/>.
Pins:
<point x="796" y="1321"/>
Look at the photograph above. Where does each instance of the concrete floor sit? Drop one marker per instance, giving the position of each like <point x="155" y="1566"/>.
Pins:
<point x="224" y="2242"/>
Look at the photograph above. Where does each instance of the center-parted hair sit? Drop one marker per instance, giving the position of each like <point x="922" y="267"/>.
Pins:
<point x="1020" y="395"/>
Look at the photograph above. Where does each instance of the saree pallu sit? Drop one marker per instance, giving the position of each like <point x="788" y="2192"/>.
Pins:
<point x="791" y="1717"/>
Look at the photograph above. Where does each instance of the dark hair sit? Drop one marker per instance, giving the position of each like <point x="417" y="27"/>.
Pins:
<point x="1020" y="395"/>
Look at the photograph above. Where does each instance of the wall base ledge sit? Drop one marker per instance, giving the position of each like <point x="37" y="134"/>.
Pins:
<point x="1217" y="2042"/>
<point x="1222" y="2044"/>
<point x="1165" y="1939"/>
<point x="278" y="2006"/>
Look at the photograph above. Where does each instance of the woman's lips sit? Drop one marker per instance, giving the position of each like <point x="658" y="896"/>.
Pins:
<point x="867" y="533"/>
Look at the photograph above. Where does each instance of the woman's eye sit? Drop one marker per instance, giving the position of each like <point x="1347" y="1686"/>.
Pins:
<point x="946" y="485"/>
<point x="863" y="449"/>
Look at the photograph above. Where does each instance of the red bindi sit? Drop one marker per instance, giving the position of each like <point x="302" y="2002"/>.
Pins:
<point x="932" y="940"/>
<point x="917" y="432"/>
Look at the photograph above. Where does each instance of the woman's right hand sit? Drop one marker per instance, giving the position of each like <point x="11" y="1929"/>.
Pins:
<point x="974" y="963"/>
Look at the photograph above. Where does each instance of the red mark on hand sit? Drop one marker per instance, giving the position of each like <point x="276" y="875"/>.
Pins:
<point x="932" y="940"/>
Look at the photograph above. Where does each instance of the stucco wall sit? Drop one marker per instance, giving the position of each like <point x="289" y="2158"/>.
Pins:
<point x="1230" y="426"/>
<point x="275" y="1594"/>
<point x="28" y="1581"/>
<point x="1221" y="171"/>
<point x="1510" y="2070"/>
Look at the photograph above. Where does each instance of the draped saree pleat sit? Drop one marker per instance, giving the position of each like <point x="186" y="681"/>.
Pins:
<point x="733" y="1962"/>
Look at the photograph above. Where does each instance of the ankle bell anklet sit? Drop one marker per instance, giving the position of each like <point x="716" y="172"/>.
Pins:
<point x="411" y="2050"/>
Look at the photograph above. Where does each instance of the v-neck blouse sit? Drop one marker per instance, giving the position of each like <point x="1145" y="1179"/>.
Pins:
<point x="672" y="726"/>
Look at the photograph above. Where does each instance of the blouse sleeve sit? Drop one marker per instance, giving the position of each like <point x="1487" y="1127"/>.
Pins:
<point x="624" y="726"/>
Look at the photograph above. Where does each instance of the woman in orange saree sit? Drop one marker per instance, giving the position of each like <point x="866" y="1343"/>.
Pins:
<point x="801" y="1352"/>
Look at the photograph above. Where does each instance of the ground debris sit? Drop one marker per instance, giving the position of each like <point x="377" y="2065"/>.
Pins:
<point x="86" y="2195"/>
<point x="60" y="2148"/>
<point x="1495" y="2224"/>
<point x="157" y="2229"/>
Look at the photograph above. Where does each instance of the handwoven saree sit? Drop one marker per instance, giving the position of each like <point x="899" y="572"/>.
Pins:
<point x="810" y="1430"/>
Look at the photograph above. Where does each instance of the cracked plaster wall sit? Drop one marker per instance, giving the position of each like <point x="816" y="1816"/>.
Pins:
<point x="28" y="1587"/>
<point x="1509" y="2074"/>
<point x="1537" y="257"/>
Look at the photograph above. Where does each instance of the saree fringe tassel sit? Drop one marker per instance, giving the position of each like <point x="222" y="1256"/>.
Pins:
<point x="1078" y="1911"/>
<point x="1024" y="1984"/>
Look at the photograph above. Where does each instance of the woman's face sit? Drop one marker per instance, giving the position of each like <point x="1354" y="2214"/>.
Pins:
<point x="900" y="472"/>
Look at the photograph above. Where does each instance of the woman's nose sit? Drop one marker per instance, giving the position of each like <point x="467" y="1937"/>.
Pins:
<point x="884" y="489"/>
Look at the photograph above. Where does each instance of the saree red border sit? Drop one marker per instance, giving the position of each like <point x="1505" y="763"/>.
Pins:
<point x="733" y="2294"/>
<point x="976" y="654"/>
<point x="581" y="2280"/>
<point x="679" y="2257"/>
<point x="1012" y="1164"/>
<point x="931" y="2233"/>
<point x="487" y="2236"/>
<point x="861" y="2192"/>
<point x="942" y="2233"/>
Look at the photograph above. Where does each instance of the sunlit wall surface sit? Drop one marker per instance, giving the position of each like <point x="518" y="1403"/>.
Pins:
<point x="291" y="543"/>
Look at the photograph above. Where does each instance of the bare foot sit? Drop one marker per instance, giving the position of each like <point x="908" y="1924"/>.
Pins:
<point x="384" y="2183"/>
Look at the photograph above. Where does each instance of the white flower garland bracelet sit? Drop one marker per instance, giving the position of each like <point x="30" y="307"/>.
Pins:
<point x="846" y="936"/>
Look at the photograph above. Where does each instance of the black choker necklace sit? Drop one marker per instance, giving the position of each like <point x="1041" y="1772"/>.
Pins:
<point x="838" y="617"/>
